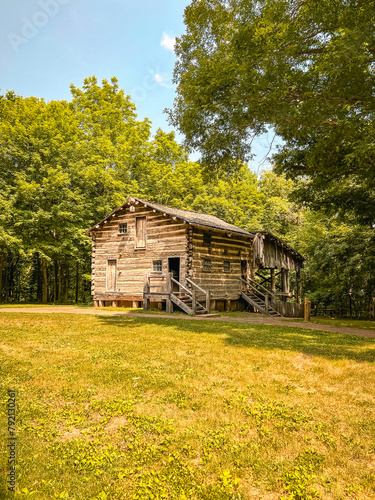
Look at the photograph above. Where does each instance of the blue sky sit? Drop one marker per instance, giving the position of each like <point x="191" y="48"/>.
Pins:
<point x="45" y="45"/>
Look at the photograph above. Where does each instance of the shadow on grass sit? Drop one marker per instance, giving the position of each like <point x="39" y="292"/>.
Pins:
<point x="310" y="342"/>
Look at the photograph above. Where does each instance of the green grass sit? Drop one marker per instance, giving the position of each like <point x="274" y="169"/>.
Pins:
<point x="349" y="323"/>
<point x="151" y="408"/>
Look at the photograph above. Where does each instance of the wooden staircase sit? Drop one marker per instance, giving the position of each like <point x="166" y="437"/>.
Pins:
<point x="184" y="298"/>
<point x="259" y="297"/>
<point x="187" y="301"/>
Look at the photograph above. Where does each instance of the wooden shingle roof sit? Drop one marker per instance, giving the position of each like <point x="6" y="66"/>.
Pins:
<point x="194" y="218"/>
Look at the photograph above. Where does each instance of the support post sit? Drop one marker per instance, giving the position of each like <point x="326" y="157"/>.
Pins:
<point x="146" y="291"/>
<point x="285" y="281"/>
<point x="114" y="303"/>
<point x="227" y="305"/>
<point x="266" y="301"/>
<point x="96" y="303"/>
<point x="208" y="300"/>
<point x="135" y="304"/>
<point x="299" y="287"/>
<point x="273" y="281"/>
<point x="307" y="310"/>
<point x="194" y="304"/>
<point x="101" y="303"/>
<point x="169" y="306"/>
<point x="168" y="283"/>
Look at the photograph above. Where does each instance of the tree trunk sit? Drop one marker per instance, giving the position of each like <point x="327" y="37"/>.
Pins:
<point x="77" y="280"/>
<point x="59" y="291"/>
<point x="2" y="265"/>
<point x="66" y="290"/>
<point x="38" y="275"/>
<point x="45" y="281"/>
<point x="55" y="281"/>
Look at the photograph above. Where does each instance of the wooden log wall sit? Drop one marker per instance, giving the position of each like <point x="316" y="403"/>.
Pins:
<point x="165" y="236"/>
<point x="223" y="285"/>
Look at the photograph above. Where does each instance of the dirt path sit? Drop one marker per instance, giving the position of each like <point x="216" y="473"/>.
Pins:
<point x="251" y="320"/>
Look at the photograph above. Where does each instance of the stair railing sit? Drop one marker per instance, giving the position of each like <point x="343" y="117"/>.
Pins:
<point x="180" y="285"/>
<point x="262" y="296"/>
<point x="168" y="290"/>
<point x="205" y="292"/>
<point x="263" y="288"/>
<point x="191" y="293"/>
<point x="253" y="288"/>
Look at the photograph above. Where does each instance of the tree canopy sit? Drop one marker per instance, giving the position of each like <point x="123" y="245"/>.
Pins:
<point x="65" y="165"/>
<point x="304" y="68"/>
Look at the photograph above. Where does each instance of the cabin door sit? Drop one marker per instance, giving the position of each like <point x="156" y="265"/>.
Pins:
<point x="174" y="268"/>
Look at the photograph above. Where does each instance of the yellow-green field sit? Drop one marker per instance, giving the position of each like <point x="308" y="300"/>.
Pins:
<point x="154" y="408"/>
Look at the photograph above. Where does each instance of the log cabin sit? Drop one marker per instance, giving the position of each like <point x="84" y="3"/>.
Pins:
<point x="144" y="253"/>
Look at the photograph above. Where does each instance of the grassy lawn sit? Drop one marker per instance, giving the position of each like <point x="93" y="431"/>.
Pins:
<point x="349" y="323"/>
<point x="152" y="408"/>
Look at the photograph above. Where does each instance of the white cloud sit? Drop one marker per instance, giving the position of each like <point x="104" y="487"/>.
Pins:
<point x="162" y="80"/>
<point x="168" y="42"/>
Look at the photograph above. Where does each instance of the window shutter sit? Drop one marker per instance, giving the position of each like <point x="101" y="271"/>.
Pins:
<point x="140" y="232"/>
<point x="111" y="275"/>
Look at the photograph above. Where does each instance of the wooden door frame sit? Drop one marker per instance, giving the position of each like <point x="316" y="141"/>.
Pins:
<point x="179" y="267"/>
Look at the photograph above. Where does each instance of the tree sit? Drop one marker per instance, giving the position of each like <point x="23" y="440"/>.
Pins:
<point x="339" y="270"/>
<point x="302" y="67"/>
<point x="65" y="165"/>
<point x="281" y="216"/>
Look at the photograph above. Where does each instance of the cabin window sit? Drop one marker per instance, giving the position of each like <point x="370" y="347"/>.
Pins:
<point x="226" y="266"/>
<point x="157" y="265"/>
<point x="111" y="275"/>
<point x="207" y="265"/>
<point x="123" y="228"/>
<point x="207" y="238"/>
<point x="140" y="232"/>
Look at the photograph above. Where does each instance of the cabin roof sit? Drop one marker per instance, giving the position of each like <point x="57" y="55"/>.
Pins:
<point x="195" y="218"/>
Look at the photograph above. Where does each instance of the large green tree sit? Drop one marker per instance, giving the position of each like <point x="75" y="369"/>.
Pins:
<point x="302" y="67"/>
<point x="65" y="165"/>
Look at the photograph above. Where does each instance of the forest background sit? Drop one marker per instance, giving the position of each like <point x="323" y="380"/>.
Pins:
<point x="65" y="165"/>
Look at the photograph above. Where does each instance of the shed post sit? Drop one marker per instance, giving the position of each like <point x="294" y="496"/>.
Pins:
<point x="285" y="280"/>
<point x="273" y="281"/>
<point x="307" y="309"/>
<point x="266" y="301"/>
<point x="299" y="288"/>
